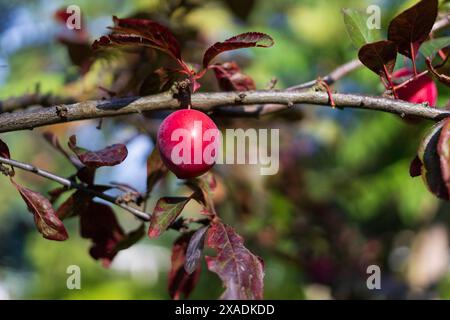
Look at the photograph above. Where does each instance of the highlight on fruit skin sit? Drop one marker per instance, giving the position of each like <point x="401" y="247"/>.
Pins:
<point x="188" y="143"/>
<point x="420" y="90"/>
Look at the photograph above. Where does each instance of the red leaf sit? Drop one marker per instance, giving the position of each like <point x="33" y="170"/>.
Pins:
<point x="4" y="150"/>
<point x="141" y="32"/>
<point x="240" y="270"/>
<point x="99" y="224"/>
<point x="413" y="26"/>
<point x="180" y="282"/>
<point x="47" y="222"/>
<point x="231" y="78"/>
<point x="109" y="156"/>
<point x="243" y="40"/>
<point x="167" y="209"/>
<point x="379" y="56"/>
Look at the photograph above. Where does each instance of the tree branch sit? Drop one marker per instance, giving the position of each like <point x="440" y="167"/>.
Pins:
<point x="258" y="103"/>
<point x="73" y="185"/>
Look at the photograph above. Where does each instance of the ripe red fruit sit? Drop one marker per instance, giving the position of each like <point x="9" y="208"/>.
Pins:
<point x="185" y="139"/>
<point x="423" y="89"/>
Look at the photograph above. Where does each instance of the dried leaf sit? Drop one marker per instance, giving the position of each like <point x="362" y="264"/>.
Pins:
<point x="47" y="222"/>
<point x="180" y="282"/>
<point x="167" y="209"/>
<point x="243" y="40"/>
<point x="241" y="271"/>
<point x="413" y="26"/>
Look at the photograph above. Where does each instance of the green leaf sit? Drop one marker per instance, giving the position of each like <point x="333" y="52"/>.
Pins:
<point x="430" y="47"/>
<point x="356" y="25"/>
<point x="167" y="209"/>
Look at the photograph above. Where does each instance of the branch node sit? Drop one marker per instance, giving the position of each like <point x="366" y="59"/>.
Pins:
<point x="62" y="111"/>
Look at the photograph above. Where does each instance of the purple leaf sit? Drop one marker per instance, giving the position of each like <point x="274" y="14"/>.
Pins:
<point x="244" y="40"/>
<point x="240" y="270"/>
<point x="195" y="249"/>
<point x="100" y="224"/>
<point x="379" y="57"/>
<point x="141" y="32"/>
<point x="180" y="282"/>
<point x="167" y="209"/>
<point x="412" y="27"/>
<point x="47" y="222"/>
<point x="107" y="157"/>
<point x="230" y="77"/>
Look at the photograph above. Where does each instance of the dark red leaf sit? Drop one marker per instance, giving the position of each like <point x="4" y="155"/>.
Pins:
<point x="244" y="40"/>
<point x="444" y="154"/>
<point x="109" y="156"/>
<point x="415" y="169"/>
<point x="231" y="78"/>
<point x="100" y="224"/>
<point x="413" y="26"/>
<point x="180" y="282"/>
<point x="80" y="53"/>
<point x="240" y="270"/>
<point x="195" y="249"/>
<point x="156" y="169"/>
<point x="141" y="32"/>
<point x="158" y="81"/>
<point x="431" y="162"/>
<point x="167" y="209"/>
<point x="74" y="205"/>
<point x="47" y="222"/>
<point x="4" y="150"/>
<point x="379" y="57"/>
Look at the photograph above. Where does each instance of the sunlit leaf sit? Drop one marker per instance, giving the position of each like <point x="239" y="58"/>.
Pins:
<point x="244" y="40"/>
<point x="356" y="25"/>
<point x="167" y="209"/>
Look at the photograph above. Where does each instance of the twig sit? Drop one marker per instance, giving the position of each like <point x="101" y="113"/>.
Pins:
<point x="73" y="185"/>
<point x="217" y="101"/>
<point x="332" y="77"/>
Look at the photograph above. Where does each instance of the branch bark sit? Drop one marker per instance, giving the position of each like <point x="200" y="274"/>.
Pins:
<point x="72" y="185"/>
<point x="253" y="103"/>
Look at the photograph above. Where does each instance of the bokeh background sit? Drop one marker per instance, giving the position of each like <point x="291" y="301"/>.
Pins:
<point x="342" y="200"/>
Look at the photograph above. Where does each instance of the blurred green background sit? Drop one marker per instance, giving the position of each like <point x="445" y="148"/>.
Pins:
<point x="343" y="199"/>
